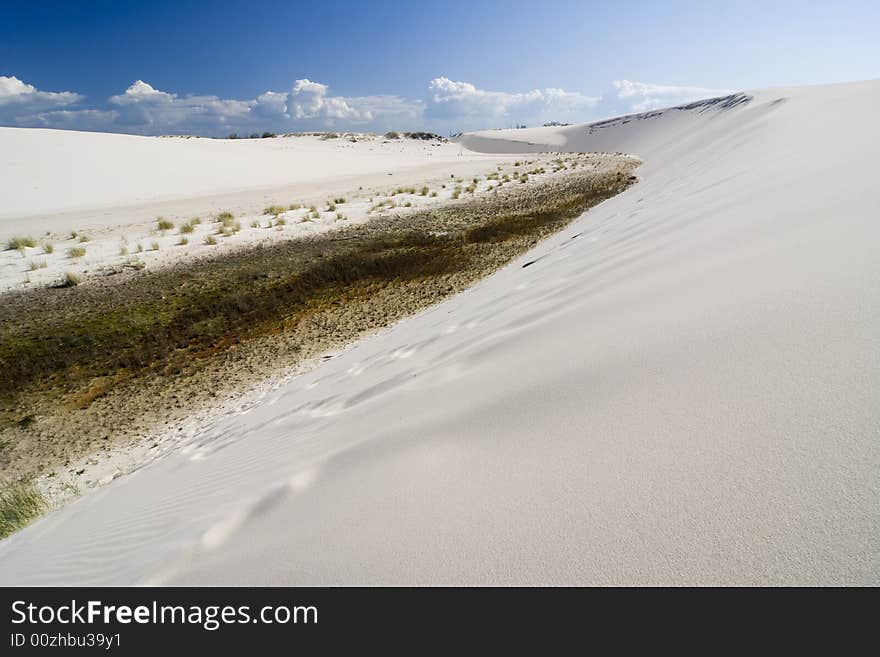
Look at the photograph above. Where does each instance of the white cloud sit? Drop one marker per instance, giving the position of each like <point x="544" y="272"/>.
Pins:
<point x="309" y="100"/>
<point x="307" y="105"/>
<point x="143" y="108"/>
<point x="453" y="100"/>
<point x="17" y="97"/>
<point x="645" y="96"/>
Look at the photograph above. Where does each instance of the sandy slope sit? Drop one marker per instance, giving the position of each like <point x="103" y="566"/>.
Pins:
<point x="681" y="388"/>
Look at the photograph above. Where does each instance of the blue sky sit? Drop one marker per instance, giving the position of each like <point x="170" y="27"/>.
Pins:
<point x="217" y="67"/>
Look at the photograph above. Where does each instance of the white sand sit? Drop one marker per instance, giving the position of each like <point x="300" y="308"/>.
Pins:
<point x="112" y="188"/>
<point x="681" y="389"/>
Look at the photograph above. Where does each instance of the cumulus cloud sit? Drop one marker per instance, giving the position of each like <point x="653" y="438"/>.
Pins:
<point x="146" y="109"/>
<point x="19" y="98"/>
<point x="450" y="99"/>
<point x="306" y="105"/>
<point x="646" y="96"/>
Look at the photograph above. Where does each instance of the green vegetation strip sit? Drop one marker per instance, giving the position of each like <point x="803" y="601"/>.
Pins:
<point x="65" y="338"/>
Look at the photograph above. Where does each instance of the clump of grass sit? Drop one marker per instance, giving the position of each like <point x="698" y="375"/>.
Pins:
<point x="38" y="264"/>
<point x="456" y="193"/>
<point x="294" y="206"/>
<point x="20" y="243"/>
<point x="183" y="241"/>
<point x="48" y="248"/>
<point x="195" y="221"/>
<point x="339" y="201"/>
<point x="315" y="214"/>
<point x="424" y="191"/>
<point x="434" y="194"/>
<point x="331" y="206"/>
<point x="255" y="224"/>
<point x="210" y="241"/>
<point x="274" y="209"/>
<point x="140" y="248"/>
<point x="73" y="234"/>
<point x="70" y="280"/>
<point x="280" y="221"/>
<point x="76" y="252"/>
<point x="225" y="216"/>
<point x="340" y="216"/>
<point x="229" y="228"/>
<point x="20" y="503"/>
<point x="123" y="250"/>
<point x="154" y="246"/>
<point x="164" y="224"/>
<point x="83" y="239"/>
<point x="186" y="228"/>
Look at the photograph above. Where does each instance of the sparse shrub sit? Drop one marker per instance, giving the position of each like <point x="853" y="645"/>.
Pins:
<point x="294" y="206"/>
<point x="154" y="246"/>
<point x="20" y="243"/>
<point x="123" y="250"/>
<point x="38" y="264"/>
<point x="274" y="209"/>
<point x="164" y="224"/>
<point x="76" y="252"/>
<point x="195" y="221"/>
<point x="225" y="216"/>
<point x="393" y="134"/>
<point x="280" y="221"/>
<point x="70" y="280"/>
<point x="48" y="248"/>
<point x="73" y="234"/>
<point x="433" y="194"/>
<point x="183" y="241"/>
<point x="186" y="228"/>
<point x="331" y="207"/>
<point x="340" y="216"/>
<point x="140" y="248"/>
<point x="83" y="239"/>
<point x="339" y="201"/>
<point x="210" y="241"/>
<point x="424" y="191"/>
<point x="267" y="135"/>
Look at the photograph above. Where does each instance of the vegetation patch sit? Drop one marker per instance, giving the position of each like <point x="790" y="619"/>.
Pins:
<point x="20" y="503"/>
<point x="20" y="243"/>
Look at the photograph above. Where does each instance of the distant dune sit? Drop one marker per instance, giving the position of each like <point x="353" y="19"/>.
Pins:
<point x="679" y="388"/>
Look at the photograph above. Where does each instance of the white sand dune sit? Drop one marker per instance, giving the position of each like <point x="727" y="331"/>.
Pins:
<point x="682" y="388"/>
